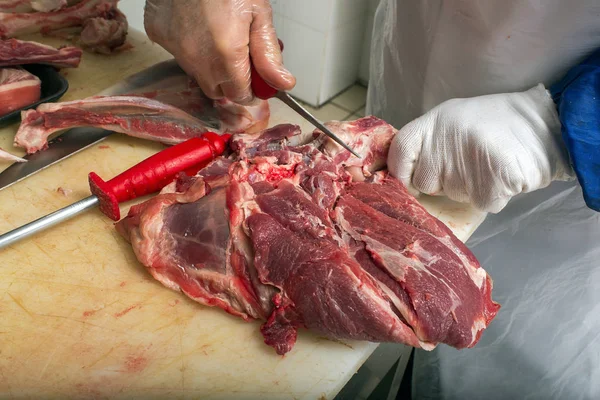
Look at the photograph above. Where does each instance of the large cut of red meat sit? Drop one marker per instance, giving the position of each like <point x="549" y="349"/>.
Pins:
<point x="304" y="235"/>
<point x="20" y="52"/>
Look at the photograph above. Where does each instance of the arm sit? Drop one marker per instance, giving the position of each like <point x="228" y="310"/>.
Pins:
<point x="577" y="97"/>
<point x="487" y="149"/>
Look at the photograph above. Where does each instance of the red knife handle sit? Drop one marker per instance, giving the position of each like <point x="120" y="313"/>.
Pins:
<point x="155" y="172"/>
<point x="262" y="89"/>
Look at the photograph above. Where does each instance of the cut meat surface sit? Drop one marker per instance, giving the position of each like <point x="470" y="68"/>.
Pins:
<point x="241" y="119"/>
<point x="329" y="291"/>
<point x="17" y="24"/>
<point x="310" y="238"/>
<point x="18" y="89"/>
<point x="106" y="33"/>
<point x="192" y="230"/>
<point x="26" y="6"/>
<point x="370" y="137"/>
<point x="20" y="52"/>
<point x="133" y="116"/>
<point x="162" y="116"/>
<point x="222" y="115"/>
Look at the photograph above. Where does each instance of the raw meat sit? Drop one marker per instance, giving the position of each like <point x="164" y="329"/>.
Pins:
<point x="134" y="116"/>
<point x="106" y="33"/>
<point x="222" y="115"/>
<point x="143" y="117"/>
<point x="18" y="89"/>
<point x="20" y="52"/>
<point x="289" y="234"/>
<point x="26" y="6"/>
<point x="17" y="24"/>
<point x="236" y="118"/>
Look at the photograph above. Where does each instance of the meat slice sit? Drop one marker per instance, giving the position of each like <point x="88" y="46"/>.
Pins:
<point x="184" y="226"/>
<point x="328" y="292"/>
<point x="310" y="246"/>
<point x="435" y="279"/>
<point x="134" y="116"/>
<point x="237" y="118"/>
<point x="26" y="6"/>
<point x="106" y="33"/>
<point x="18" y="89"/>
<point x="191" y="230"/>
<point x="269" y="139"/>
<point x="222" y="115"/>
<point x="17" y="24"/>
<point x="20" y="52"/>
<point x="369" y="136"/>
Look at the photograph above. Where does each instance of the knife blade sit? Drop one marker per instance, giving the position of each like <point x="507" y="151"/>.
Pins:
<point x="164" y="75"/>
<point x="264" y="91"/>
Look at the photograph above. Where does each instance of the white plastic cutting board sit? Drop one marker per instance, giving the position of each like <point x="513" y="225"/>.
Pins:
<point x="81" y="318"/>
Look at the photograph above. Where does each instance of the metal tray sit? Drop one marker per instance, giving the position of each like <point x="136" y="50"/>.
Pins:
<point x="54" y="86"/>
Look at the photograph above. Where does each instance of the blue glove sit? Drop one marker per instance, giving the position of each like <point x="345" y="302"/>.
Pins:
<point x="577" y="97"/>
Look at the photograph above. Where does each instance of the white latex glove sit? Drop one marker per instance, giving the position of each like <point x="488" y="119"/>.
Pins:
<point x="213" y="40"/>
<point x="483" y="150"/>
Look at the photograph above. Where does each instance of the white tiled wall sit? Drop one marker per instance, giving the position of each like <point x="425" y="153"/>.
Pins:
<point x="323" y="43"/>
<point x="134" y="10"/>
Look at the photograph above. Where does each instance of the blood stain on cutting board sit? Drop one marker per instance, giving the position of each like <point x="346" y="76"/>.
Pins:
<point x="206" y="348"/>
<point x="136" y="363"/>
<point x="89" y="313"/>
<point x="64" y="191"/>
<point x="89" y="392"/>
<point x="127" y="310"/>
<point x="122" y="284"/>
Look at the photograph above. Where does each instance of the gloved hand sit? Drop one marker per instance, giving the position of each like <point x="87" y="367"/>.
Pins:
<point x="483" y="150"/>
<point x="213" y="40"/>
<point x="577" y="96"/>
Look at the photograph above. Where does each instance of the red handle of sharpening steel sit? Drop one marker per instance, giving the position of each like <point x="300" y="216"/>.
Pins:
<point x="262" y="89"/>
<point x="155" y="172"/>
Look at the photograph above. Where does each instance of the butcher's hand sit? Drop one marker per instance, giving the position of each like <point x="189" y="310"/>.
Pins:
<point x="213" y="40"/>
<point x="483" y="150"/>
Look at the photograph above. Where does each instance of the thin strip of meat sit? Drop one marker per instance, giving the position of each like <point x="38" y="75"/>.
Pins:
<point x="134" y="116"/>
<point x="20" y="52"/>
<point x="13" y="25"/>
<point x="27" y="6"/>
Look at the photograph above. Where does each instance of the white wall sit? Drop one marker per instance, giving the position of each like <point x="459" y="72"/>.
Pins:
<point x="134" y="10"/>
<point x="323" y="42"/>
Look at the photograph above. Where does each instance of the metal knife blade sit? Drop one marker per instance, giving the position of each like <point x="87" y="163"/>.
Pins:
<point x="69" y="143"/>
<point x="164" y="75"/>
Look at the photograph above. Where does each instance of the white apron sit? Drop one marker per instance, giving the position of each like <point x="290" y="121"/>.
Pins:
<point x="543" y="250"/>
